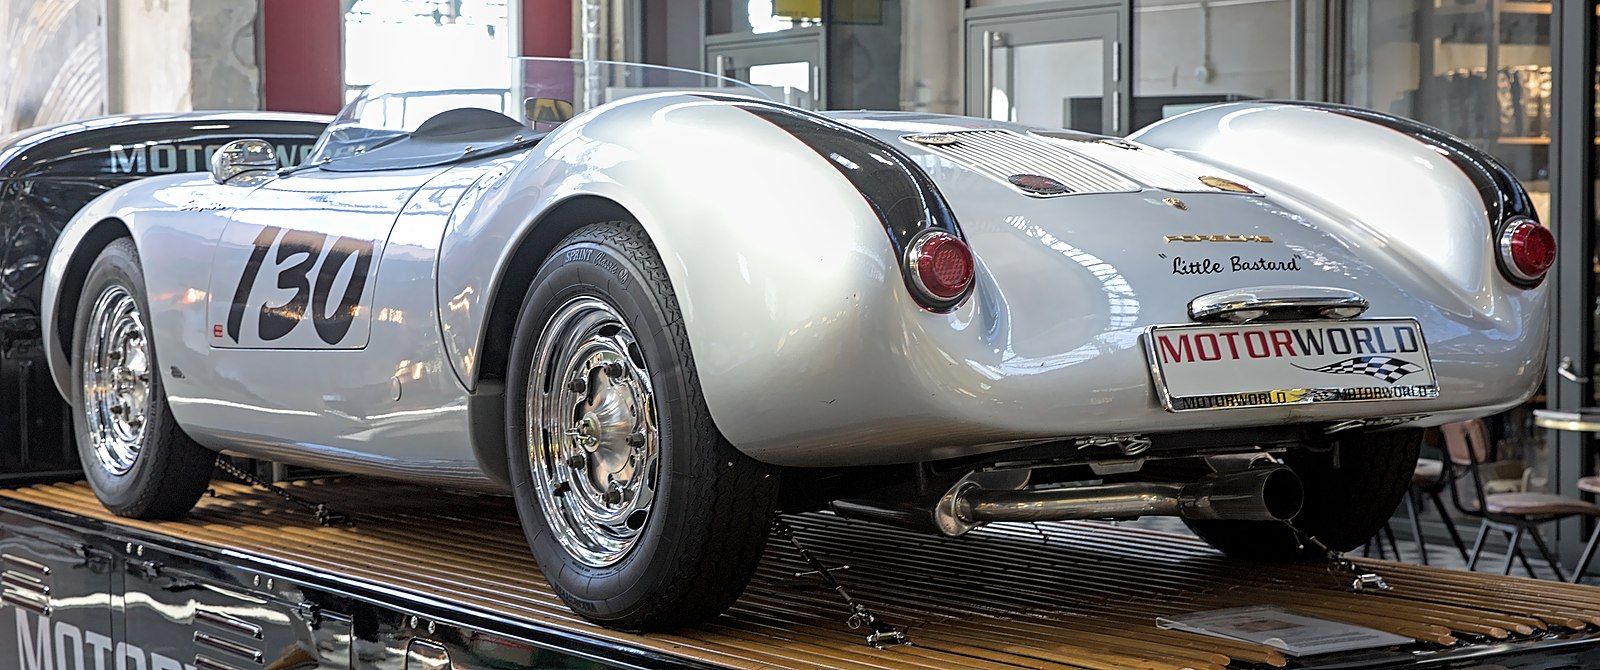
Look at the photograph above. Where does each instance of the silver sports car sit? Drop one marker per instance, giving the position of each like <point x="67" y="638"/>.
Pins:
<point x="657" y="308"/>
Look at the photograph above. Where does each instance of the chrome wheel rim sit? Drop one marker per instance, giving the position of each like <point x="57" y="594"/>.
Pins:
<point x="593" y="446"/>
<point x="116" y="380"/>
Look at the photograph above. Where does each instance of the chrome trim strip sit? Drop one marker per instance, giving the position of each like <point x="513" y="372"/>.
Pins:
<point x="1251" y="304"/>
<point x="228" y="623"/>
<point x="228" y="646"/>
<point x="27" y="601"/>
<point x="26" y="563"/>
<point x="30" y="580"/>
<point x="204" y="662"/>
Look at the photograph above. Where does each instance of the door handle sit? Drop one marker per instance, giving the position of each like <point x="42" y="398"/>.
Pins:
<point x="1565" y="371"/>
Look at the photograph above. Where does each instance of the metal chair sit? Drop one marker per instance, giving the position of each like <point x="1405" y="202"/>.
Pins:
<point x="1429" y="480"/>
<point x="1588" y="485"/>
<point x="1518" y="515"/>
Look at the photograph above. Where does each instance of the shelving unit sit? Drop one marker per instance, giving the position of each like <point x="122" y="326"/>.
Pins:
<point x="1466" y="52"/>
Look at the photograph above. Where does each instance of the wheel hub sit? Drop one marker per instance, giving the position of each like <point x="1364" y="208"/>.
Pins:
<point x="592" y="432"/>
<point x="116" y="380"/>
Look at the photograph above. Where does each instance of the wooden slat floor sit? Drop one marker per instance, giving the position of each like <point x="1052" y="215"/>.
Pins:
<point x="1058" y="595"/>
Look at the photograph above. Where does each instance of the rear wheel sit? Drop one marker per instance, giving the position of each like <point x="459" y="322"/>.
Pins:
<point x="1350" y="492"/>
<point x="136" y="458"/>
<point x="640" y="513"/>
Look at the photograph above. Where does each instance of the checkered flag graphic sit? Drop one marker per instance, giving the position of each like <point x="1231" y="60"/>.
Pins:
<point x="1385" y="368"/>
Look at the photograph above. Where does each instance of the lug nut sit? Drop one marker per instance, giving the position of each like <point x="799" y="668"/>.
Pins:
<point x="613" y="496"/>
<point x="577" y="386"/>
<point x="114" y="355"/>
<point x="615" y="370"/>
<point x="577" y="461"/>
<point x="116" y="409"/>
<point x="561" y="487"/>
<point x="636" y="439"/>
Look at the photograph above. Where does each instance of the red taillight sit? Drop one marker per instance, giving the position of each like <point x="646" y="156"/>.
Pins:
<point x="1527" y="250"/>
<point x="941" y="267"/>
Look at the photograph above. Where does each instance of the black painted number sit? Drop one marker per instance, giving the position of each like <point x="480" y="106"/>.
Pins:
<point x="276" y="321"/>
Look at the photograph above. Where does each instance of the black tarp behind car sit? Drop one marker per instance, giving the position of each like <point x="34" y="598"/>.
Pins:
<point x="46" y="176"/>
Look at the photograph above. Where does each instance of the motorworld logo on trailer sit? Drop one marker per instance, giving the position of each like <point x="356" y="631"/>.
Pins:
<point x="43" y="644"/>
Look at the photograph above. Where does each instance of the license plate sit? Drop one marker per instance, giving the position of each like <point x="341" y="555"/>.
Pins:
<point x="1289" y="363"/>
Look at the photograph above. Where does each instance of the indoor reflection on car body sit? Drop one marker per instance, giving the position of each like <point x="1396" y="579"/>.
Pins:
<point x="48" y="174"/>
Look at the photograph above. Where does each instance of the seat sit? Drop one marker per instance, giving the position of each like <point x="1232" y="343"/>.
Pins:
<point x="1428" y="480"/>
<point x="1540" y="505"/>
<point x="1518" y="515"/>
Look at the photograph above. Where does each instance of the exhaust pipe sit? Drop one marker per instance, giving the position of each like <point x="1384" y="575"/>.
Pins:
<point x="1264" y="494"/>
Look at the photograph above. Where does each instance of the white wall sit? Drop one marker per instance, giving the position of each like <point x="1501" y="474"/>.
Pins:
<point x="1249" y="47"/>
<point x="52" y="62"/>
<point x="149" y="64"/>
<point x="181" y="55"/>
<point x="930" y="56"/>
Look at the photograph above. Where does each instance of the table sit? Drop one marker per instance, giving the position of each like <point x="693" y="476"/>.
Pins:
<point x="1585" y="420"/>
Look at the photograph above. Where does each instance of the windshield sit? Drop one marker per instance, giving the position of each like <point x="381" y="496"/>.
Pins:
<point x="484" y="111"/>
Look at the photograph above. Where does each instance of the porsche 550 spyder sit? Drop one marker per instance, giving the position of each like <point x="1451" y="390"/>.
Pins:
<point x="657" y="308"/>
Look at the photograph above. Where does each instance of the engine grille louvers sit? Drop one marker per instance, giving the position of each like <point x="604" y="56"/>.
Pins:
<point x="1001" y="154"/>
<point x="221" y="622"/>
<point x="1080" y="163"/>
<point x="25" y="584"/>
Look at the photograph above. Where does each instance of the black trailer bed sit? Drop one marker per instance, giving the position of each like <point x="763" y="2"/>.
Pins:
<point x="420" y="567"/>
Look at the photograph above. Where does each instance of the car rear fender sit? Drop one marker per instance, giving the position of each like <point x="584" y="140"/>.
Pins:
<point x="1424" y="194"/>
<point x="777" y="251"/>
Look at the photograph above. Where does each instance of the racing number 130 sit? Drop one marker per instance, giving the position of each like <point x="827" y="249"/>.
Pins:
<point x="276" y="321"/>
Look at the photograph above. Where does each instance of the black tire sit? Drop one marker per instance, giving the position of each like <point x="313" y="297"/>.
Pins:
<point x="169" y="472"/>
<point x="1346" y="503"/>
<point x="705" y="530"/>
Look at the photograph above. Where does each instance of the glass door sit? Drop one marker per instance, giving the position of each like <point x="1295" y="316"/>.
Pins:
<point x="788" y="65"/>
<point x="1481" y="70"/>
<point x="1059" y="70"/>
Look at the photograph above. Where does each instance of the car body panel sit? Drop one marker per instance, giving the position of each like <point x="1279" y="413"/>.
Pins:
<point x="305" y="286"/>
<point x="808" y="345"/>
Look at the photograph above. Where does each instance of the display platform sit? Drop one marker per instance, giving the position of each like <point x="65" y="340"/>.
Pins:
<point x="1056" y="595"/>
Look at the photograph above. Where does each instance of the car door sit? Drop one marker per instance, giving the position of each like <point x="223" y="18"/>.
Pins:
<point x="294" y="265"/>
<point x="291" y="302"/>
<point x="326" y="349"/>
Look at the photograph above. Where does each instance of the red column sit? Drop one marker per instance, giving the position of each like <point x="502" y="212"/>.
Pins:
<point x="301" y="68"/>
<point x="547" y="28"/>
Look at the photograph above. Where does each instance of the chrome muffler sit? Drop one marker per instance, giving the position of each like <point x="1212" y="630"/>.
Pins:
<point x="1259" y="494"/>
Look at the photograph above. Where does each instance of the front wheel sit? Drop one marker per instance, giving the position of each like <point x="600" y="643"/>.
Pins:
<point x="139" y="463"/>
<point x="641" y="515"/>
<point x="1350" y="492"/>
